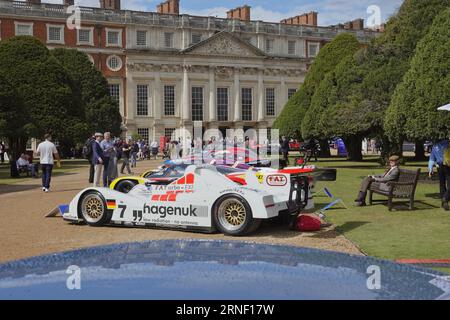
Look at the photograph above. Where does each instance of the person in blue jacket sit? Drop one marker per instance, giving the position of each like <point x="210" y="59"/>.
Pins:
<point x="437" y="159"/>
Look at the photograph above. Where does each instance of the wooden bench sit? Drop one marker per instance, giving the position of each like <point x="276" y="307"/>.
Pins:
<point x="404" y="188"/>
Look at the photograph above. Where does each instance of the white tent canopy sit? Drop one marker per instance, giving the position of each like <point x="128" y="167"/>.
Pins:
<point x="445" y="108"/>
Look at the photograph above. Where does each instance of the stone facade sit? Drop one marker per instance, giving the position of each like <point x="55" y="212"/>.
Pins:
<point x="169" y="70"/>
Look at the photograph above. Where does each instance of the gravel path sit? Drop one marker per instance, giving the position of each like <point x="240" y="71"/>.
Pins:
<point x="24" y="231"/>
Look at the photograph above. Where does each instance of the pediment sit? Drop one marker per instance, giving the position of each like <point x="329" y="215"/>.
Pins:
<point x="225" y="44"/>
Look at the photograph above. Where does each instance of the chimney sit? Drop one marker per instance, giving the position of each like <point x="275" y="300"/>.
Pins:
<point x="110" y="4"/>
<point x="169" y="7"/>
<point x="312" y="18"/>
<point x="68" y="3"/>
<point x="307" y="19"/>
<point x="358" y="24"/>
<point x="241" y="13"/>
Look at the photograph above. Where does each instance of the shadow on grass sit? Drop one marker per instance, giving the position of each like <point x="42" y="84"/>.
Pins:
<point x="339" y="230"/>
<point x="350" y="225"/>
<point x="404" y="206"/>
<point x="435" y="196"/>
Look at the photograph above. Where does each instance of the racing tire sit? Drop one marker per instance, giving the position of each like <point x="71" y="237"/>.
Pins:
<point x="233" y="216"/>
<point x="93" y="209"/>
<point x="125" y="186"/>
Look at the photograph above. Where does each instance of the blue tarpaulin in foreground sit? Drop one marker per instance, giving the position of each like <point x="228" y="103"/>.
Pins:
<point x="209" y="270"/>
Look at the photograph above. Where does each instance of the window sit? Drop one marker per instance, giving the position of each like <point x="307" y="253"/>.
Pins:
<point x="196" y="38"/>
<point x="141" y="38"/>
<point x="24" y="29"/>
<point x="113" y="37"/>
<point x="114" y="63"/>
<point x="197" y="104"/>
<point x="247" y="103"/>
<point x="269" y="45"/>
<point x="270" y="102"/>
<point x="55" y="34"/>
<point x="85" y="36"/>
<point x="169" y="100"/>
<point x="142" y="100"/>
<point x="168" y="39"/>
<point x="168" y="132"/>
<point x="143" y="132"/>
<point x="313" y="49"/>
<point x="291" y="47"/>
<point x="222" y="104"/>
<point x="114" y="91"/>
<point x="291" y="92"/>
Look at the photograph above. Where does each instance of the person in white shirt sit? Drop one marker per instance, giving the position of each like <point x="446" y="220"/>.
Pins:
<point x="154" y="148"/>
<point x="47" y="152"/>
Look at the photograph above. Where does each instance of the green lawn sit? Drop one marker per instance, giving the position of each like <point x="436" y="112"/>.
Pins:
<point x="400" y="234"/>
<point x="66" y="166"/>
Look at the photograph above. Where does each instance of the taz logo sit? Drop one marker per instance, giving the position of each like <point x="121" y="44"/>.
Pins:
<point x="276" y="180"/>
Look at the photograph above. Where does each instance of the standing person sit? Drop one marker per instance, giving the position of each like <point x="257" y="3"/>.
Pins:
<point x="174" y="152"/>
<point x="97" y="159"/>
<point x="47" y="152"/>
<point x="87" y="153"/>
<point x="154" y="147"/>
<point x="134" y="152"/>
<point x="437" y="159"/>
<point x="446" y="169"/>
<point x="107" y="146"/>
<point x="126" y="152"/>
<point x="284" y="148"/>
<point x="391" y="174"/>
<point x="113" y="173"/>
<point x="2" y="152"/>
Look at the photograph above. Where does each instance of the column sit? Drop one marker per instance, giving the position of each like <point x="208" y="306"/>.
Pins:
<point x="261" y="91"/>
<point x="185" y="95"/>
<point x="158" y="106"/>
<point x="282" y="100"/>
<point x="237" y="96"/>
<point x="131" y="98"/>
<point x="212" y="95"/>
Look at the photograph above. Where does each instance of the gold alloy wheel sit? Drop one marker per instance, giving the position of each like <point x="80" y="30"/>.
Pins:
<point x="232" y="214"/>
<point x="235" y="214"/>
<point x="92" y="208"/>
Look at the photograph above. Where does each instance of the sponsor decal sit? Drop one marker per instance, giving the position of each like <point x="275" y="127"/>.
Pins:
<point x="276" y="180"/>
<point x="111" y="204"/>
<point x="260" y="177"/>
<point x="164" y="211"/>
<point x="182" y="185"/>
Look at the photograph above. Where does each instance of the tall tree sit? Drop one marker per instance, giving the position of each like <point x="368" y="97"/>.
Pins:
<point x="290" y="119"/>
<point x="101" y="112"/>
<point x="375" y="72"/>
<point x="344" y="46"/>
<point x="426" y="86"/>
<point x="43" y="88"/>
<point x="13" y="120"/>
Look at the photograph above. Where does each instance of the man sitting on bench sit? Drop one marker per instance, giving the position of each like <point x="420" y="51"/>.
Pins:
<point x="392" y="174"/>
<point x="24" y="165"/>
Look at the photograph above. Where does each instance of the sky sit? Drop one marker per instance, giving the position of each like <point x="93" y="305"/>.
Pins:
<point x="330" y="11"/>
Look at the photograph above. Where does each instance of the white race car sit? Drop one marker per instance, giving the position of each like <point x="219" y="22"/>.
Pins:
<point x="201" y="200"/>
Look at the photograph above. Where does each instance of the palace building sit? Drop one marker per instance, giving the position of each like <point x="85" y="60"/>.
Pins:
<point x="168" y="70"/>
